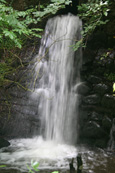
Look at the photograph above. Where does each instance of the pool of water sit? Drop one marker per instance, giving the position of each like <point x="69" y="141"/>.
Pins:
<point x="52" y="156"/>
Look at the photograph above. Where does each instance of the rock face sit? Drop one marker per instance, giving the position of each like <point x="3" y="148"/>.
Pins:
<point x="98" y="104"/>
<point x="97" y="109"/>
<point x="101" y="88"/>
<point x="108" y="101"/>
<point x="4" y="143"/>
<point x="93" y="130"/>
<point x="92" y="99"/>
<point x="21" y="117"/>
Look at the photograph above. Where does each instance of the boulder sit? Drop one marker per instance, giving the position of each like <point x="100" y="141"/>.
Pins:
<point x="83" y="116"/>
<point x="101" y="89"/>
<point x="101" y="143"/>
<point x="108" y="101"/>
<point x="82" y="89"/>
<point x="106" y="123"/>
<point x="4" y="143"/>
<point x="94" y="79"/>
<point x="113" y="129"/>
<point x="93" y="130"/>
<point x="96" y="116"/>
<point x="92" y="99"/>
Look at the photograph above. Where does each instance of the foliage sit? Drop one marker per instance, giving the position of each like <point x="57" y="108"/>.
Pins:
<point x="52" y="8"/>
<point x="92" y="13"/>
<point x="110" y="76"/>
<point x="35" y="165"/>
<point x="2" y="166"/>
<point x="113" y="87"/>
<point x="15" y="26"/>
<point x="10" y="62"/>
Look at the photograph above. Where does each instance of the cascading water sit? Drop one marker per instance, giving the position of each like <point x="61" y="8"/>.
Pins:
<point x="55" y="84"/>
<point x="58" y="103"/>
<point x="57" y="68"/>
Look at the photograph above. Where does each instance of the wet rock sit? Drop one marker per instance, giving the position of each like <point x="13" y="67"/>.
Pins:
<point x="92" y="99"/>
<point x="96" y="116"/>
<point x="93" y="130"/>
<point x="94" y="79"/>
<point x="101" y="143"/>
<point x="108" y="101"/>
<point x="83" y="116"/>
<point x="79" y="98"/>
<point x="4" y="143"/>
<point x="101" y="89"/>
<point x="106" y="123"/>
<point x="82" y="89"/>
<point x="113" y="129"/>
<point x="17" y="92"/>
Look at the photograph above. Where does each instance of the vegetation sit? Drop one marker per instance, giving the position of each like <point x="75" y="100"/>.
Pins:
<point x="15" y="27"/>
<point x="113" y="87"/>
<point x="2" y="166"/>
<point x="35" y="165"/>
<point x="110" y="76"/>
<point x="93" y="13"/>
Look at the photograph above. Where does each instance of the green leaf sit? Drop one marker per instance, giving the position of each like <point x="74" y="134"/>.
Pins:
<point x="3" y="1"/>
<point x="30" y="171"/>
<point x="36" y="29"/>
<point x="2" y="166"/>
<point x="105" y="13"/>
<point x="35" y="165"/>
<point x="22" y="14"/>
<point x="42" y="6"/>
<point x="17" y="43"/>
<point x="113" y="87"/>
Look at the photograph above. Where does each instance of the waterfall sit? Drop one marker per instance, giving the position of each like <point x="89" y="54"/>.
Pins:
<point x="59" y="68"/>
<point x="56" y="77"/>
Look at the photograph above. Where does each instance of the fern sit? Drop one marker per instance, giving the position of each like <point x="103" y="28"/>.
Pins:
<point x="11" y="27"/>
<point x="92" y="13"/>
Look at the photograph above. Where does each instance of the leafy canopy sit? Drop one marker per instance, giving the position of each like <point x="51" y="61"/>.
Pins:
<point x="15" y="25"/>
<point x="92" y="13"/>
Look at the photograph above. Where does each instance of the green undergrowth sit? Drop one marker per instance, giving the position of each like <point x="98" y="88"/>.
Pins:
<point x="15" y="28"/>
<point x="94" y="14"/>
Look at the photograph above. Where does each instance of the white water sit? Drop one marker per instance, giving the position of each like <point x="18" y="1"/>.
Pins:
<point x="48" y="154"/>
<point x="58" y="103"/>
<point x="59" y="68"/>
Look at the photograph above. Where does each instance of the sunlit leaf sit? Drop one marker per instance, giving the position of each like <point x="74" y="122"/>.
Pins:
<point x="105" y="13"/>
<point x="2" y="166"/>
<point x="113" y="87"/>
